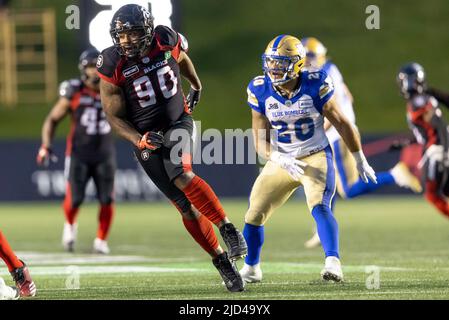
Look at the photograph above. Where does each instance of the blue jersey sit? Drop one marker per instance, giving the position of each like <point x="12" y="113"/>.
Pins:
<point x="298" y="121"/>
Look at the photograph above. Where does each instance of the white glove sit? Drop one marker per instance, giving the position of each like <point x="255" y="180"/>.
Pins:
<point x="433" y="154"/>
<point x="294" y="167"/>
<point x="364" y="168"/>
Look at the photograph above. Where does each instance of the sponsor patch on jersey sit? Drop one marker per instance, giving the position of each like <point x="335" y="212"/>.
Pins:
<point x="273" y="106"/>
<point x="130" y="71"/>
<point x="167" y="55"/>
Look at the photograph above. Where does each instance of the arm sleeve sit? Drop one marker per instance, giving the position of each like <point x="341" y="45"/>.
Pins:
<point x="170" y="40"/>
<point x="325" y="90"/>
<point x="68" y="88"/>
<point x="441" y="96"/>
<point x="109" y="65"/>
<point x="253" y="100"/>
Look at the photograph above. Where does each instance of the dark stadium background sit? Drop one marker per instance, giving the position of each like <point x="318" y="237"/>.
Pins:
<point x="226" y="41"/>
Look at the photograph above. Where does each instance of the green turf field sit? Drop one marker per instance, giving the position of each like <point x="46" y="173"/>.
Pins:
<point x="154" y="258"/>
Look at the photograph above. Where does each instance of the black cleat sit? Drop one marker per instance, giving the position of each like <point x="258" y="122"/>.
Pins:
<point x="229" y="273"/>
<point x="234" y="241"/>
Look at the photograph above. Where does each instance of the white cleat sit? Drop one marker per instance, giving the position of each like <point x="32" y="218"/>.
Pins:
<point x="313" y="242"/>
<point x="332" y="270"/>
<point x="404" y="178"/>
<point x="7" y="292"/>
<point x="69" y="235"/>
<point x="251" y="274"/>
<point x="101" y="246"/>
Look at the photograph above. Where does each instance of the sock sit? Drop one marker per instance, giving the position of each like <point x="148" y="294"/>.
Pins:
<point x="8" y="255"/>
<point x="360" y="187"/>
<point x="327" y="228"/>
<point x="203" y="232"/>
<point x="201" y="195"/>
<point x="432" y="195"/>
<point x="69" y="211"/>
<point x="254" y="236"/>
<point x="105" y="220"/>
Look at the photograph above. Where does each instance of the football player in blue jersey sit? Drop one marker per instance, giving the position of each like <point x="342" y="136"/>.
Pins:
<point x="293" y="103"/>
<point x="349" y="185"/>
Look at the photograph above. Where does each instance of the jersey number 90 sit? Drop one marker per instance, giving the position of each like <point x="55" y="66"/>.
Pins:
<point x="168" y="84"/>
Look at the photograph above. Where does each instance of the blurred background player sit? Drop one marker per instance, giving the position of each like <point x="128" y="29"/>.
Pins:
<point x="25" y="286"/>
<point x="294" y="102"/>
<point x="90" y="151"/>
<point x="349" y="185"/>
<point x="426" y="121"/>
<point x="144" y="102"/>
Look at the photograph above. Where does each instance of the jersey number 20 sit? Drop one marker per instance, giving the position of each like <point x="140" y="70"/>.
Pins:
<point x="304" y="130"/>
<point x="168" y="83"/>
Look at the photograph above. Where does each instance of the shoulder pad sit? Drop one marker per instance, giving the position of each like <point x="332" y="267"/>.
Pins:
<point x="69" y="87"/>
<point x="108" y="61"/>
<point x="184" y="42"/>
<point x="257" y="85"/>
<point x="165" y="36"/>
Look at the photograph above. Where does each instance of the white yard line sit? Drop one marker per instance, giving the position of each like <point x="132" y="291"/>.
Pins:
<point x="68" y="270"/>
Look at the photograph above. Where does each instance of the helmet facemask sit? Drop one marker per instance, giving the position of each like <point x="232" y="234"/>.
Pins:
<point x="280" y="69"/>
<point x="88" y="59"/>
<point x="135" y="48"/>
<point x="411" y="83"/>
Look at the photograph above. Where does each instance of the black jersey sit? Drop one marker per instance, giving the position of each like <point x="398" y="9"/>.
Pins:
<point x="90" y="136"/>
<point x="430" y="132"/>
<point x="151" y="84"/>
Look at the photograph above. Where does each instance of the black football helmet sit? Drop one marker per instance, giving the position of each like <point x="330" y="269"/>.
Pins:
<point x="132" y="17"/>
<point x="411" y="79"/>
<point x="88" y="58"/>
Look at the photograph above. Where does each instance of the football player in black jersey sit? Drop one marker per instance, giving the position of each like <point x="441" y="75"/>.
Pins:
<point x="144" y="103"/>
<point x="90" y="151"/>
<point x="425" y="119"/>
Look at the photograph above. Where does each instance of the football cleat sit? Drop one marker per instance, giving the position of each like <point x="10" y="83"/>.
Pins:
<point x="332" y="270"/>
<point x="404" y="178"/>
<point x="234" y="241"/>
<point x="69" y="235"/>
<point x="101" y="246"/>
<point x="313" y="242"/>
<point x="229" y="273"/>
<point x="7" y="292"/>
<point x="24" y="283"/>
<point x="251" y="274"/>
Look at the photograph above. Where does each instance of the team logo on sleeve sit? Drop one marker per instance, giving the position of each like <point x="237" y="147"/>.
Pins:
<point x="100" y="61"/>
<point x="326" y="88"/>
<point x="145" y="155"/>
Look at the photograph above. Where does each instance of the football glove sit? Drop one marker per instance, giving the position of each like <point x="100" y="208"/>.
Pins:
<point x="294" y="167"/>
<point x="193" y="98"/>
<point x="363" y="167"/>
<point x="151" y="141"/>
<point x="45" y="156"/>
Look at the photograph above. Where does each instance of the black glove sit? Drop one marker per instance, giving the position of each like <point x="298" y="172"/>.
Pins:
<point x="45" y="156"/>
<point x="151" y="141"/>
<point x="193" y="98"/>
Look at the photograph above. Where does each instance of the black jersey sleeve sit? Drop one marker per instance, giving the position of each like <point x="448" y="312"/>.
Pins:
<point x="68" y="88"/>
<point x="166" y="37"/>
<point x="441" y="96"/>
<point x="108" y="66"/>
<point x="169" y="40"/>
